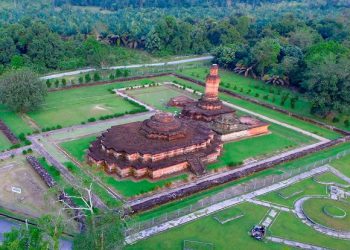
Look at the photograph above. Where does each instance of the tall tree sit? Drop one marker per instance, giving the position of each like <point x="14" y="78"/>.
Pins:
<point x="22" y="90"/>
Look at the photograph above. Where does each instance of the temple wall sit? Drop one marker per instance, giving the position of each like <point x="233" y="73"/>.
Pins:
<point x="169" y="170"/>
<point x="259" y="130"/>
<point x="235" y="135"/>
<point x="245" y="133"/>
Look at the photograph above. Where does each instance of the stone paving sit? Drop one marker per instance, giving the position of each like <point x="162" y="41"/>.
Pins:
<point x="219" y="206"/>
<point x="295" y="244"/>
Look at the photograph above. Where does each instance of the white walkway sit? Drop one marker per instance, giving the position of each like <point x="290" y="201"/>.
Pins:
<point x="77" y="72"/>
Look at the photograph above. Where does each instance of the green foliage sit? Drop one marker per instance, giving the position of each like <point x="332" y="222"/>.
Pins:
<point x="22" y="91"/>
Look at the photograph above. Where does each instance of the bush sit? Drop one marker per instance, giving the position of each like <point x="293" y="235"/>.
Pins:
<point x="81" y="80"/>
<point x="111" y="77"/>
<point x="97" y="77"/>
<point x="335" y="120"/>
<point x="126" y="73"/>
<point x="72" y="82"/>
<point x="87" y="78"/>
<point x="64" y="82"/>
<point x="48" y="83"/>
<point x="266" y="97"/>
<point x="347" y="123"/>
<point x="118" y="73"/>
<point x="257" y="95"/>
<point x="92" y="119"/>
<point x="57" y="83"/>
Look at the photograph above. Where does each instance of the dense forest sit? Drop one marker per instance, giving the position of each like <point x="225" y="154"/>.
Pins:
<point x="300" y="44"/>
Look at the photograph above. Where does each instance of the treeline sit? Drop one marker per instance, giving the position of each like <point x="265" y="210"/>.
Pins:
<point x="114" y="4"/>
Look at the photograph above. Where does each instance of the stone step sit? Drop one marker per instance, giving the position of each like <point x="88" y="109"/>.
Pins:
<point x="196" y="166"/>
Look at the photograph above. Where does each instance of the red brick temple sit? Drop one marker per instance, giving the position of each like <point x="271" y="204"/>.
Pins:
<point x="209" y="107"/>
<point x="156" y="147"/>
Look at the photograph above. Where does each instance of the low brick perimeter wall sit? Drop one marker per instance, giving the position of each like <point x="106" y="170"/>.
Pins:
<point x="186" y="191"/>
<point x="8" y="133"/>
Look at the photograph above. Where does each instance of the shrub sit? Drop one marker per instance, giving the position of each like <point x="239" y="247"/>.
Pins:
<point x="48" y="83"/>
<point x="64" y="82"/>
<point x="266" y="97"/>
<point x="97" y="77"/>
<point x="72" y="82"/>
<point x="111" y="77"/>
<point x="87" y="78"/>
<point x="235" y="87"/>
<point x="257" y="95"/>
<point x="347" y="123"/>
<point x="126" y="73"/>
<point x="335" y="120"/>
<point x="241" y="90"/>
<point x="57" y="83"/>
<point x="92" y="119"/>
<point x="81" y="80"/>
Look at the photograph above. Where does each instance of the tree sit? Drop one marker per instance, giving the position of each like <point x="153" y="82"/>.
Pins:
<point x="22" y="91"/>
<point x="328" y="85"/>
<point x="104" y="231"/>
<point x="265" y="53"/>
<point x="153" y="43"/>
<point x="7" y="49"/>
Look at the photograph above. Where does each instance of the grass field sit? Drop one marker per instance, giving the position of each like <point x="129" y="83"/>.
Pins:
<point x="330" y="178"/>
<point x="126" y="187"/>
<point x="231" y="235"/>
<point x="280" y="139"/>
<point x="70" y="107"/>
<point x="4" y="142"/>
<point x="159" y="96"/>
<point x="301" y="189"/>
<point x="242" y="85"/>
<point x="317" y="208"/>
<point x="343" y="165"/>
<point x="288" y="226"/>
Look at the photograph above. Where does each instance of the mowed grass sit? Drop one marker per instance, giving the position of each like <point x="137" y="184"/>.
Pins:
<point x="286" y="198"/>
<point x="14" y="121"/>
<point x="280" y="139"/>
<point x="159" y="96"/>
<point x="231" y="235"/>
<point x="343" y="165"/>
<point x="73" y="106"/>
<point x="288" y="226"/>
<point x="317" y="209"/>
<point x="4" y="142"/>
<point x="128" y="188"/>
<point x="330" y="178"/>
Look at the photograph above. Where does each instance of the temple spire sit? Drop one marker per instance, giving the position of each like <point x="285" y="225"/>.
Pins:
<point x="212" y="83"/>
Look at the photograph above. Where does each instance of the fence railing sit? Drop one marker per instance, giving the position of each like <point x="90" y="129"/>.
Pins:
<point x="231" y="192"/>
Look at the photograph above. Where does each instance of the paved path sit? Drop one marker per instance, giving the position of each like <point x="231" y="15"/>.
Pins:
<point x="339" y="174"/>
<point x="77" y="72"/>
<point x="17" y="151"/>
<point x="219" y="206"/>
<point x="295" y="244"/>
<point x="322" y="229"/>
<point x="268" y="204"/>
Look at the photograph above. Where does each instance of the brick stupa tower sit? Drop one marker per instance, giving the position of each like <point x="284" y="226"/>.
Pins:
<point x="209" y="106"/>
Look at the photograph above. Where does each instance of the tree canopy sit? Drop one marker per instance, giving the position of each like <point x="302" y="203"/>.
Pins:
<point x="22" y="91"/>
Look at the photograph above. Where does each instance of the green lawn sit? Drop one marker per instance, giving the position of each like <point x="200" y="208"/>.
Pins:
<point x="330" y="178"/>
<point x="4" y="142"/>
<point x="73" y="106"/>
<point x="126" y="187"/>
<point x="280" y="139"/>
<point x="231" y="235"/>
<point x="288" y="226"/>
<point x="242" y="85"/>
<point x="300" y="189"/>
<point x="14" y="121"/>
<point x="317" y="209"/>
<point x="343" y="165"/>
<point x="159" y="96"/>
